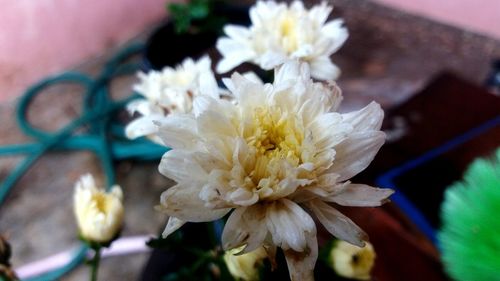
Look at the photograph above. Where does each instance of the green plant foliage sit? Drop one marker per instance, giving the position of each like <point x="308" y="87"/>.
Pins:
<point x="195" y="14"/>
<point x="470" y="235"/>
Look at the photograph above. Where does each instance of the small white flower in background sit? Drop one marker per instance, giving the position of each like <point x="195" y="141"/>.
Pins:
<point x="279" y="32"/>
<point x="277" y="149"/>
<point x="99" y="214"/>
<point x="245" y="266"/>
<point x="352" y="261"/>
<point x="170" y="90"/>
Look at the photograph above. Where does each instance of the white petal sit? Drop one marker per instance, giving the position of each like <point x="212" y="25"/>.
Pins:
<point x="243" y="197"/>
<point x="287" y="186"/>
<point x="172" y="225"/>
<point x="290" y="71"/>
<point x="288" y="224"/>
<point x="142" y="126"/>
<point x="248" y="93"/>
<point x="326" y="185"/>
<point x="208" y="85"/>
<point x="144" y="107"/>
<point x="301" y="264"/>
<point x="245" y="226"/>
<point x="337" y="224"/>
<point x="360" y="195"/>
<point x="323" y="69"/>
<point x="303" y="51"/>
<point x="319" y="13"/>
<point x="228" y="82"/>
<point x="203" y="64"/>
<point x="368" y="118"/>
<point x="237" y="32"/>
<point x="271" y="59"/>
<point x="178" y="131"/>
<point x="324" y="160"/>
<point x="215" y="123"/>
<point x="328" y="130"/>
<point x="355" y="153"/>
<point x="234" y="54"/>
<point x="180" y="165"/>
<point x="182" y="201"/>
<point x="250" y="75"/>
<point x="339" y="34"/>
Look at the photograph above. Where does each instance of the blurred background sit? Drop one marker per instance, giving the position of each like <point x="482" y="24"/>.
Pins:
<point x="43" y="37"/>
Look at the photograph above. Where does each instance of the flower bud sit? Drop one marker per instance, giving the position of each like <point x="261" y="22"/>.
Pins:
<point x="5" y="251"/>
<point x="245" y="266"/>
<point x="351" y="261"/>
<point x="6" y="271"/>
<point x="99" y="214"/>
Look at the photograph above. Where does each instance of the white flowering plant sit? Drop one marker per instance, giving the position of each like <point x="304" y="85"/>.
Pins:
<point x="267" y="162"/>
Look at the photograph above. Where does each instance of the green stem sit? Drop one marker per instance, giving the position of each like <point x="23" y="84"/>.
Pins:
<point x="94" y="263"/>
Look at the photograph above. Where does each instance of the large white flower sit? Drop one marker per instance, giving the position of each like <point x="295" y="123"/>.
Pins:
<point x="278" y="149"/>
<point x="279" y="32"/>
<point x="168" y="91"/>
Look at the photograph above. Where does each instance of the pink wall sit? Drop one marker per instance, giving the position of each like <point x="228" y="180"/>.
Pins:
<point x="41" y="37"/>
<point x="480" y="16"/>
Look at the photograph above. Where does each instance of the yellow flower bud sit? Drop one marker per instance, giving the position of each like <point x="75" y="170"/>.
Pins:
<point x="99" y="214"/>
<point x="245" y="266"/>
<point x="352" y="261"/>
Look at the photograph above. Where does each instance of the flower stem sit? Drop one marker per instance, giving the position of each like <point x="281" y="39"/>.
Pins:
<point x="94" y="263"/>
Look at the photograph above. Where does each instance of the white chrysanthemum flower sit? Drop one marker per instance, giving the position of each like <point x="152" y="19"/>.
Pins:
<point x="351" y="261"/>
<point x="171" y="90"/>
<point x="99" y="214"/>
<point x="278" y="149"/>
<point x="280" y="32"/>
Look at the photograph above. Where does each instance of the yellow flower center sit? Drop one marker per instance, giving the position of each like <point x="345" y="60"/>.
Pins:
<point x="276" y="137"/>
<point x="101" y="202"/>
<point x="287" y="28"/>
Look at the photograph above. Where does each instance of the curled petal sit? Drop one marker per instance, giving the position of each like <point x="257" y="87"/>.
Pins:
<point x="142" y="126"/>
<point x="301" y="264"/>
<point x="325" y="186"/>
<point x="355" y="153"/>
<point x="328" y="130"/>
<point x="172" y="225"/>
<point x="245" y="226"/>
<point x="361" y="195"/>
<point x="180" y="165"/>
<point x="337" y="224"/>
<point x="368" y="118"/>
<point x="182" y="201"/>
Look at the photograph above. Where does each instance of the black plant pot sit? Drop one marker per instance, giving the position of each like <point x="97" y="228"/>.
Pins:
<point x="167" y="48"/>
